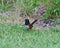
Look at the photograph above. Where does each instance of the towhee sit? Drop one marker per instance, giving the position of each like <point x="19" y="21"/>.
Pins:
<point x="28" y="24"/>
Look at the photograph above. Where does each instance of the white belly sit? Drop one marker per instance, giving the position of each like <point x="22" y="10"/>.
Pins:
<point x="26" y="26"/>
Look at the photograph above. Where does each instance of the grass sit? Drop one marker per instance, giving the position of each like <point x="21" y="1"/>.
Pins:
<point x="16" y="36"/>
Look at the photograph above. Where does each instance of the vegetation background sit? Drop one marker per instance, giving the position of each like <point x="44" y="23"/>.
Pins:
<point x="13" y="33"/>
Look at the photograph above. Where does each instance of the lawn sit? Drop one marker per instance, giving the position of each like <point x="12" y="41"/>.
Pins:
<point x="16" y="36"/>
<point x="13" y="33"/>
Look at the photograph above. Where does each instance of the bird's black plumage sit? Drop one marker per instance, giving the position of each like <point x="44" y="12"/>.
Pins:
<point x="27" y="22"/>
<point x="34" y="21"/>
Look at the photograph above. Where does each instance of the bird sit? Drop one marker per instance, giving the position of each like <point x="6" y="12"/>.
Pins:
<point x="28" y="24"/>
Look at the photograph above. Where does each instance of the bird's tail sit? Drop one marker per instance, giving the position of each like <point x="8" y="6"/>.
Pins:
<point x="34" y="21"/>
